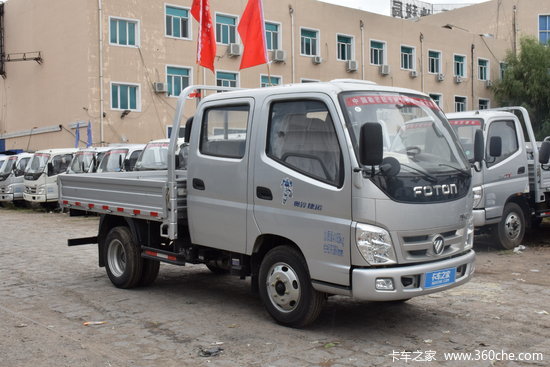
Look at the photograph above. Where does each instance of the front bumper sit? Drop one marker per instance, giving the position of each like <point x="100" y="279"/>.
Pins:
<point x="364" y="280"/>
<point x="35" y="198"/>
<point x="6" y="197"/>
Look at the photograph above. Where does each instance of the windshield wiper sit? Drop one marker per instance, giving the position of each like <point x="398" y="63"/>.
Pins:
<point x="464" y="172"/>
<point x="425" y="174"/>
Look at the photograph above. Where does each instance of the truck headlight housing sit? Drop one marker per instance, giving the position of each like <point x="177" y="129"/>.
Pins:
<point x="9" y="189"/>
<point x="478" y="195"/>
<point x="375" y="245"/>
<point x="469" y="240"/>
<point x="41" y="190"/>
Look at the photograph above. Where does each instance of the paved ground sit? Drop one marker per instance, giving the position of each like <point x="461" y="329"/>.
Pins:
<point x="48" y="291"/>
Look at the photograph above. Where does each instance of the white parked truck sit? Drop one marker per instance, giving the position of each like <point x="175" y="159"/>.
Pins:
<point x="120" y="158"/>
<point x="11" y="177"/>
<point x="85" y="160"/>
<point x="512" y="184"/>
<point x="296" y="187"/>
<point x="42" y="172"/>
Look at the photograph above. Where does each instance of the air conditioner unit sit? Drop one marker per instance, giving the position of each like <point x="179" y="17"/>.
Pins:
<point x="413" y="73"/>
<point x="317" y="60"/>
<point x="351" y="65"/>
<point x="279" y="55"/>
<point x="234" y="49"/>
<point x="458" y="79"/>
<point x="160" y="87"/>
<point x="440" y="77"/>
<point x="385" y="69"/>
<point x="488" y="83"/>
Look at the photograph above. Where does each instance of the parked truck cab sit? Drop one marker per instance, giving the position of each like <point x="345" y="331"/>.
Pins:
<point x="311" y="190"/>
<point x="41" y="175"/>
<point x="511" y="185"/>
<point x="85" y="160"/>
<point x="11" y="177"/>
<point x="120" y="158"/>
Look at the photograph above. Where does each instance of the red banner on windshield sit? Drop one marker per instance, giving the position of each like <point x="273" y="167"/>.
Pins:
<point x="465" y="122"/>
<point x="381" y="99"/>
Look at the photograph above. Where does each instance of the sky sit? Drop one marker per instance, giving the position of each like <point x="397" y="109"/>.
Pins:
<point x="383" y="6"/>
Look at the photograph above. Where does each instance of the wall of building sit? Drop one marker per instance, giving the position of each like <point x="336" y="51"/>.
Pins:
<point x="66" y="87"/>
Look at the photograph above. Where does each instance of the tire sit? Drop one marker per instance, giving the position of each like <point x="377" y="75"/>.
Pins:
<point x="149" y="272"/>
<point x="123" y="261"/>
<point x="286" y="290"/>
<point x="511" y="229"/>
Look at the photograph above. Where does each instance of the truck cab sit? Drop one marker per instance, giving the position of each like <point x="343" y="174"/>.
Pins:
<point x="508" y="184"/>
<point x="40" y="177"/>
<point x="120" y="158"/>
<point x="11" y="177"/>
<point x="85" y="160"/>
<point x="154" y="156"/>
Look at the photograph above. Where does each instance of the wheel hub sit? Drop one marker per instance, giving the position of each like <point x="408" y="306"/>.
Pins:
<point x="283" y="287"/>
<point x="116" y="257"/>
<point x="512" y="226"/>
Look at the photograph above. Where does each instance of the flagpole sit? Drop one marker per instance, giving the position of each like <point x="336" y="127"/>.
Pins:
<point x="269" y="74"/>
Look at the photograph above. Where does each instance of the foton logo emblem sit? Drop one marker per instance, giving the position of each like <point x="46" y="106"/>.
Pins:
<point x="436" y="190"/>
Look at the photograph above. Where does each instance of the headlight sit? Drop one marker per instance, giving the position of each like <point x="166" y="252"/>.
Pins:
<point x="41" y="190"/>
<point x="469" y="241"/>
<point x="9" y="189"/>
<point x="375" y="245"/>
<point x="478" y="195"/>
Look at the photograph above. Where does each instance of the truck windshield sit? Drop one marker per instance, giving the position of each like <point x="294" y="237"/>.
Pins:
<point x="8" y="165"/>
<point x="417" y="135"/>
<point x="38" y="163"/>
<point x="465" y="129"/>
<point x="154" y="156"/>
<point x="113" y="160"/>
<point x="82" y="161"/>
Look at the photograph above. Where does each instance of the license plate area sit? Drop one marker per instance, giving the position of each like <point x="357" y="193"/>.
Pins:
<point x="439" y="278"/>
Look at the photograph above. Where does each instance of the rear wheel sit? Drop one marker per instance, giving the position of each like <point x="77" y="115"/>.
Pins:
<point x="511" y="229"/>
<point x="123" y="261"/>
<point x="286" y="290"/>
<point x="149" y="272"/>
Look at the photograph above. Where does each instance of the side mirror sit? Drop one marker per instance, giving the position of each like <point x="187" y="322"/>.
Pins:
<point x="371" y="144"/>
<point x="544" y="152"/>
<point x="479" y="146"/>
<point x="495" y="146"/>
<point x="50" y="169"/>
<point x="127" y="166"/>
<point x="188" y="125"/>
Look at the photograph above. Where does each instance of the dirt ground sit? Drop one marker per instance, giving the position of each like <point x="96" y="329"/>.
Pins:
<point x="48" y="291"/>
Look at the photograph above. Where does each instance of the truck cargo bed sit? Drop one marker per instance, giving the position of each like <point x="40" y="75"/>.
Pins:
<point x="136" y="194"/>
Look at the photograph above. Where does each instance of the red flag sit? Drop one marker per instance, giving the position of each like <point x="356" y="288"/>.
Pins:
<point x="206" y="44"/>
<point x="252" y="31"/>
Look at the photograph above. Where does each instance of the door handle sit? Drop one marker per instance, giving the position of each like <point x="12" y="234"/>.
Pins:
<point x="198" y="184"/>
<point x="264" y="193"/>
<point x="521" y="170"/>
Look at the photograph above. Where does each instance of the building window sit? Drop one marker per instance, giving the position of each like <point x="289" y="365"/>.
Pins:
<point x="377" y="52"/>
<point x="460" y="104"/>
<point x="177" y="79"/>
<point x="434" y="62"/>
<point x="436" y="98"/>
<point x="484" y="104"/>
<point x="123" y="32"/>
<point x="544" y="29"/>
<point x="309" y="42"/>
<point x="272" y="36"/>
<point x="407" y="58"/>
<point x="226" y="29"/>
<point x="125" y="97"/>
<point x="344" y="45"/>
<point x="502" y="69"/>
<point x="177" y="22"/>
<point x="226" y="79"/>
<point x="483" y="69"/>
<point x="268" y="81"/>
<point x="460" y="65"/>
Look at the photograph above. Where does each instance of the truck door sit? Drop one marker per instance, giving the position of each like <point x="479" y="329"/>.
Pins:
<point x="301" y="182"/>
<point x="505" y="175"/>
<point x="217" y="175"/>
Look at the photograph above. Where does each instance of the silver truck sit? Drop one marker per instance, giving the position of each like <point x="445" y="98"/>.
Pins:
<point x="11" y="177"/>
<point x="512" y="184"/>
<point x="301" y="187"/>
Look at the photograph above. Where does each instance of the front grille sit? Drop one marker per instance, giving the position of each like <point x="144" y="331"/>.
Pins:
<point x="30" y="190"/>
<point x="419" y="247"/>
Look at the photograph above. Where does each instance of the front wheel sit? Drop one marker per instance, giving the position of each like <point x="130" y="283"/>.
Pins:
<point x="510" y="230"/>
<point x="123" y="261"/>
<point x="286" y="290"/>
